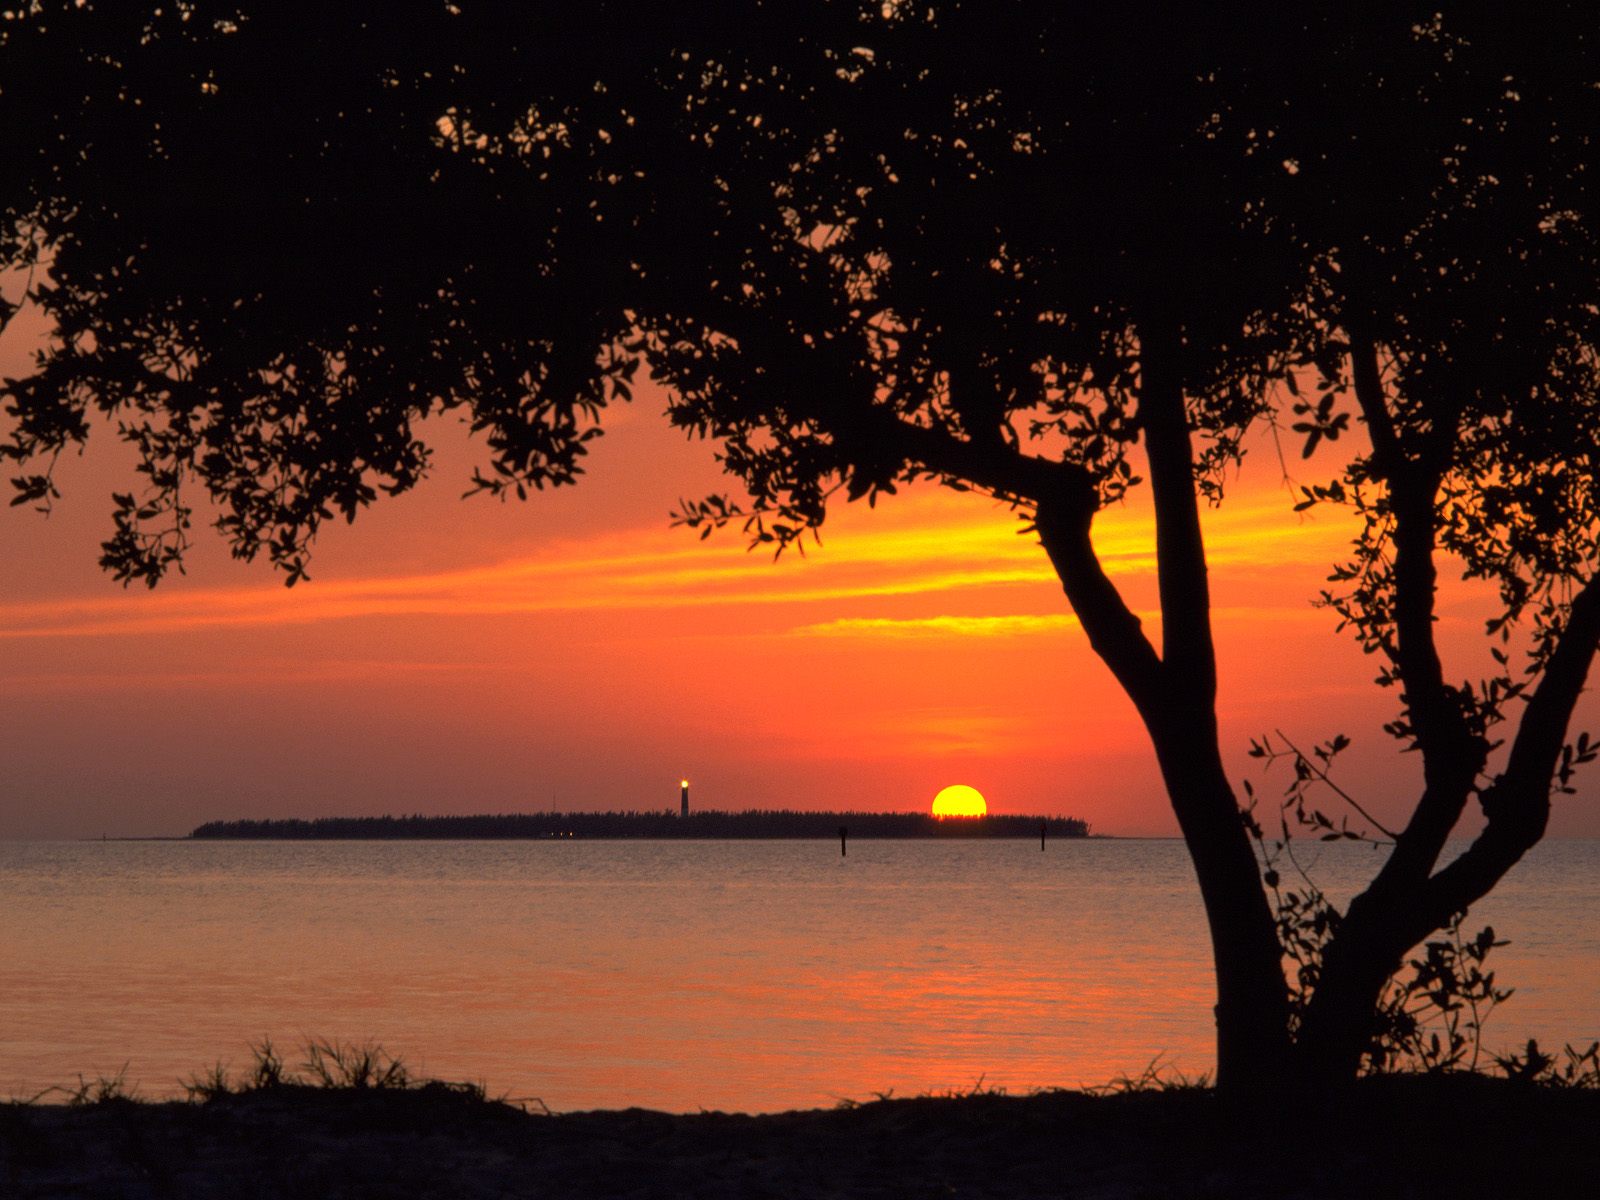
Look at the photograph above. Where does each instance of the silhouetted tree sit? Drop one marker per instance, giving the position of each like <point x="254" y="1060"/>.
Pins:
<point x="997" y="245"/>
<point x="1449" y="215"/>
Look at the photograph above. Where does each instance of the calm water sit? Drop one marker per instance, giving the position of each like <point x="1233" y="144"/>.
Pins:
<point x="677" y="975"/>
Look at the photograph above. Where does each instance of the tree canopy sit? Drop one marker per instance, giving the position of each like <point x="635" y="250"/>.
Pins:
<point x="310" y="229"/>
<point x="1034" y="249"/>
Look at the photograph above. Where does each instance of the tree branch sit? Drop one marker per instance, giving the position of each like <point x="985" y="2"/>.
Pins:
<point x="1517" y="805"/>
<point x="1452" y="754"/>
<point x="1374" y="409"/>
<point x="1187" y="645"/>
<point x="1064" y="518"/>
<point x="1007" y="473"/>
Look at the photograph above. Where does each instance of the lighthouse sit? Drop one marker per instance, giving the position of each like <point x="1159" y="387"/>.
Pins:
<point x="683" y="810"/>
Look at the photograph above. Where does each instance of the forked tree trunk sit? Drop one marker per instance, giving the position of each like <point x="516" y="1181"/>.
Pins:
<point x="1409" y="899"/>
<point x="1252" y="1005"/>
<point x="1175" y="693"/>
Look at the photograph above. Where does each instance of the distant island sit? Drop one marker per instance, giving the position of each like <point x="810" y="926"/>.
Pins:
<point x="753" y="823"/>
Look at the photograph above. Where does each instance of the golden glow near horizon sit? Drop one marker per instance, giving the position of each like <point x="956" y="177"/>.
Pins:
<point x="959" y="800"/>
<point x="441" y="643"/>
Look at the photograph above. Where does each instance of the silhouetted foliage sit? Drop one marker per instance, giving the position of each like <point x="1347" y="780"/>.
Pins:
<point x="1395" y="1136"/>
<point x="1430" y="1015"/>
<point x="1032" y="249"/>
<point x="1571" y="1069"/>
<point x="710" y="824"/>
<point x="327" y="1064"/>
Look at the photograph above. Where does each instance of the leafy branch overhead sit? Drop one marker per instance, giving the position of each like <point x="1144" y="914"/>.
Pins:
<point x="851" y="271"/>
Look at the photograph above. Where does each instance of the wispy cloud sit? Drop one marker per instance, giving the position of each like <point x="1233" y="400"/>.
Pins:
<point x="933" y="544"/>
<point x="1022" y="624"/>
<point x="1012" y="625"/>
<point x="263" y="673"/>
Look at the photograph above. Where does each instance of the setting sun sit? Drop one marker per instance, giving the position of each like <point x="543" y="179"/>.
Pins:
<point x="959" y="800"/>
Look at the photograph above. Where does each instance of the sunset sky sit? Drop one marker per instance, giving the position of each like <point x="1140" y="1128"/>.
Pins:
<point x="576" y="652"/>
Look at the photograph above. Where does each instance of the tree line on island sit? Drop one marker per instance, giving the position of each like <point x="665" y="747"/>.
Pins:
<point x="752" y="823"/>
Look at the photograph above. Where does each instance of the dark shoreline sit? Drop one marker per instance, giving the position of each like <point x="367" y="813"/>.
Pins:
<point x="1398" y="1136"/>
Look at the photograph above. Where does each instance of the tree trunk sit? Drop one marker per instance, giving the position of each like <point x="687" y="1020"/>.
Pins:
<point x="1175" y="693"/>
<point x="1252" y="1006"/>
<point x="1252" y="1003"/>
<point x="1339" y="1022"/>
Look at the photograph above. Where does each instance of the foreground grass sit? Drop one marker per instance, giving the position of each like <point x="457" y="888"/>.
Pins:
<point x="356" y="1128"/>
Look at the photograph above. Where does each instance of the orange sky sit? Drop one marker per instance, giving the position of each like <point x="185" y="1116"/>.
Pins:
<point x="576" y="651"/>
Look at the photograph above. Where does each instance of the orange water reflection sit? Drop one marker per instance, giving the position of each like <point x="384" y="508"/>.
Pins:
<point x="746" y="975"/>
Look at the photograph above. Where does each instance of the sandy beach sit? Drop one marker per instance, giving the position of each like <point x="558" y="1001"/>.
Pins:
<point x="1398" y="1137"/>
